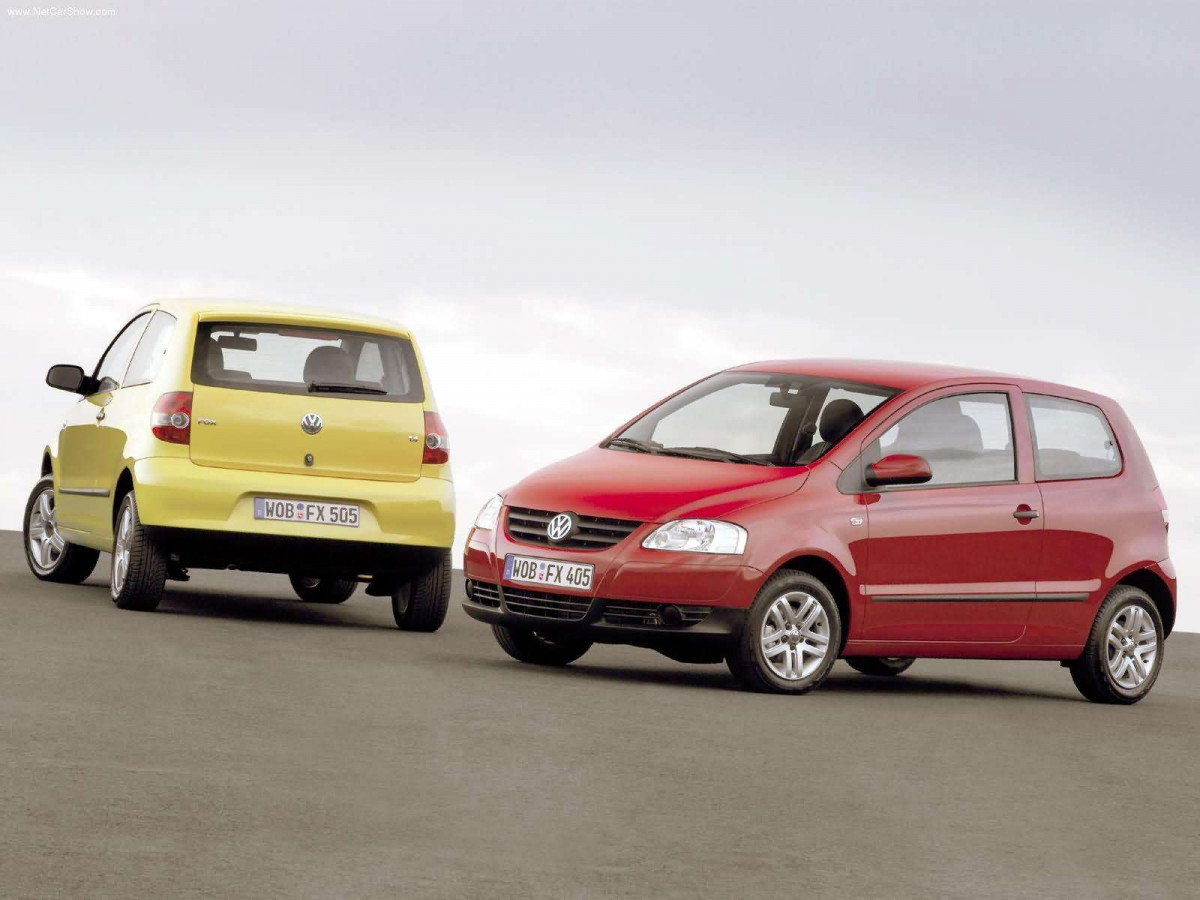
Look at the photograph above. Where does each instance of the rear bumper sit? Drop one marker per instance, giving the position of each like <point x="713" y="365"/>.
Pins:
<point x="197" y="549"/>
<point x="175" y="493"/>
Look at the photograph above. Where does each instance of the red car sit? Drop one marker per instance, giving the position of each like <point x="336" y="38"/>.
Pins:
<point x="782" y="514"/>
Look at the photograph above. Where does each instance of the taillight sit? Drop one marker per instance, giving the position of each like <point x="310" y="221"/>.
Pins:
<point x="171" y="420"/>
<point x="437" y="448"/>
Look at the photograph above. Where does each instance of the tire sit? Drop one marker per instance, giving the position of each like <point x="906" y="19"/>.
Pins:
<point x="56" y="559"/>
<point x="139" y="567"/>
<point x="759" y="664"/>
<point x="311" y="589"/>
<point x="538" y="649"/>
<point x="1116" y="670"/>
<point x="421" y="604"/>
<point x="880" y="666"/>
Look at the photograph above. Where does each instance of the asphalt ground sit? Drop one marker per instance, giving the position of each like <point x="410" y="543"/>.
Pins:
<point x="239" y="743"/>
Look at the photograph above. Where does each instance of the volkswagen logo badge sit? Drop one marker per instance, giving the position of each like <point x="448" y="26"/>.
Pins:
<point x="311" y="423"/>
<point x="560" y="527"/>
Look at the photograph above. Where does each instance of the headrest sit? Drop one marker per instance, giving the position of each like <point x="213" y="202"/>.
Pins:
<point x="329" y="365"/>
<point x="939" y="427"/>
<point x="838" y="420"/>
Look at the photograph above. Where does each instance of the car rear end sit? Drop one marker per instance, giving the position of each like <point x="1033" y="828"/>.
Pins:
<point x="298" y="443"/>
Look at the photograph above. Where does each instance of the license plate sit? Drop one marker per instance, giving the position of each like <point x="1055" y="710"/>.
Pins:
<point x="531" y="570"/>
<point x="279" y="510"/>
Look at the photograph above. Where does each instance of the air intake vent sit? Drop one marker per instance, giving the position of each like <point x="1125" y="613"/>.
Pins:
<point x="544" y="605"/>
<point x="592" y="533"/>
<point x="647" y="614"/>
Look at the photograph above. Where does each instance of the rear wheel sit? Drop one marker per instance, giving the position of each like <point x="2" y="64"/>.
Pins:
<point x="1124" y="652"/>
<point x="312" y="589"/>
<point x="880" y="666"/>
<point x="791" y="638"/>
<point x="50" y="556"/>
<point x="139" y="567"/>
<point x="421" y="604"/>
<point x="538" y="649"/>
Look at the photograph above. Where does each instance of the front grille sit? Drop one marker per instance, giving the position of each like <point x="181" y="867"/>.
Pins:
<point x="485" y="594"/>
<point x="594" y="533"/>
<point x="626" y="613"/>
<point x="545" y="605"/>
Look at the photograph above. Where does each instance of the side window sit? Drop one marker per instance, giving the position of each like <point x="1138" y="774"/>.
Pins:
<point x="151" y="350"/>
<point x="1071" y="439"/>
<point x="112" y="364"/>
<point x="966" y="439"/>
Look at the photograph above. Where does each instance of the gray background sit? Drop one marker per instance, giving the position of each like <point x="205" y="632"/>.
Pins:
<point x="619" y="195"/>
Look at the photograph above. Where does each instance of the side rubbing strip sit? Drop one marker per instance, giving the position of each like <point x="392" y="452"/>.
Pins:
<point x="979" y="598"/>
<point x="84" y="492"/>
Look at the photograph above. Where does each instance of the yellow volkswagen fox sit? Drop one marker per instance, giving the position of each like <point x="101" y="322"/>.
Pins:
<point x="225" y="436"/>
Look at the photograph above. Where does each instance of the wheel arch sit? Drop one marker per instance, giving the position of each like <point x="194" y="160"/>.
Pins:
<point x="1158" y="591"/>
<point x="123" y="486"/>
<point x="47" y="463"/>
<point x="830" y="574"/>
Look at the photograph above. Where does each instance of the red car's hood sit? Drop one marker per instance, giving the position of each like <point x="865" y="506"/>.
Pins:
<point x="623" y="485"/>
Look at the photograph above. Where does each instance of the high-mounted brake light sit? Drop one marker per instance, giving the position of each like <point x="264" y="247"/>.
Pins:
<point x="171" y="420"/>
<point x="437" y="447"/>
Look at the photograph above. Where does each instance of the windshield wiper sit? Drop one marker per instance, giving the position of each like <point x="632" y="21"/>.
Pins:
<point x="633" y="444"/>
<point x="330" y="387"/>
<point x="713" y="452"/>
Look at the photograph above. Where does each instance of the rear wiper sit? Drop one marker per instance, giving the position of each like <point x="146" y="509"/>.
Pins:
<point x="713" y="452"/>
<point x="330" y="387"/>
<point x="633" y="444"/>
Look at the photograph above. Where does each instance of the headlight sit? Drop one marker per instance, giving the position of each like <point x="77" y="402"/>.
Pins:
<point x="490" y="514"/>
<point x="698" y="536"/>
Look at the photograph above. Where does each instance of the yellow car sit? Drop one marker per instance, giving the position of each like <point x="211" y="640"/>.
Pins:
<point x="226" y="436"/>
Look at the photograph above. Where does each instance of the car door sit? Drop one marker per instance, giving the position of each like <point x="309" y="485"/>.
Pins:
<point x="955" y="559"/>
<point x="82" y="496"/>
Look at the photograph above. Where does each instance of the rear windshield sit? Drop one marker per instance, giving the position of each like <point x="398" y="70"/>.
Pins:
<point x="287" y="359"/>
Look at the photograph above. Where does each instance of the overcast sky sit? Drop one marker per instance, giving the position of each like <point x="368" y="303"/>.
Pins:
<point x="581" y="206"/>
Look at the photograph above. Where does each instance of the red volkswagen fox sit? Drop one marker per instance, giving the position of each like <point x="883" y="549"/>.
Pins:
<point x="782" y="514"/>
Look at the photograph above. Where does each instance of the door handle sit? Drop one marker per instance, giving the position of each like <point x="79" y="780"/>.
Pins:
<point x="100" y="416"/>
<point x="1025" y="513"/>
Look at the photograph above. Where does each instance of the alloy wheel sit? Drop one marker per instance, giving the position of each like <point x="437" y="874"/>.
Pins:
<point x="120" y="560"/>
<point x="45" y="544"/>
<point x="795" y="635"/>
<point x="1132" y="646"/>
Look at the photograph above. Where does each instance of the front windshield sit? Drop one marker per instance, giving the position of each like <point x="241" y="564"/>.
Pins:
<point x="755" y="418"/>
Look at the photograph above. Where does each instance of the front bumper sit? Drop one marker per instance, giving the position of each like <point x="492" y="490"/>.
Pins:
<point x="608" y="621"/>
<point x="175" y="493"/>
<point x="711" y="593"/>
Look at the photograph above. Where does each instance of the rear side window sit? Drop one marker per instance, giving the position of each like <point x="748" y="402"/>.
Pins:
<point x="966" y="439"/>
<point x="151" y="350"/>
<point x="286" y="359"/>
<point x="1071" y="439"/>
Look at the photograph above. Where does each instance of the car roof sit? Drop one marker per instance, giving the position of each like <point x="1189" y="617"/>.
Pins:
<point x="907" y="376"/>
<point x="202" y="307"/>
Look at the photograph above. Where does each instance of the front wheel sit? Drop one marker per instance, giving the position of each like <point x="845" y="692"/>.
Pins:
<point x="539" y="649"/>
<point x="49" y="555"/>
<point x="312" y="589"/>
<point x="1124" y="652"/>
<point x="421" y="603"/>
<point x="139" y="567"/>
<point x="792" y="636"/>
<point x="880" y="666"/>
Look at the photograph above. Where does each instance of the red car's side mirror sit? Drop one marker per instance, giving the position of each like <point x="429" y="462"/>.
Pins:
<point x="899" y="468"/>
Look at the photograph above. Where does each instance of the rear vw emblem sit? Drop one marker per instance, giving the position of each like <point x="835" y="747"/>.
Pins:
<point x="311" y="423"/>
<point x="560" y="527"/>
